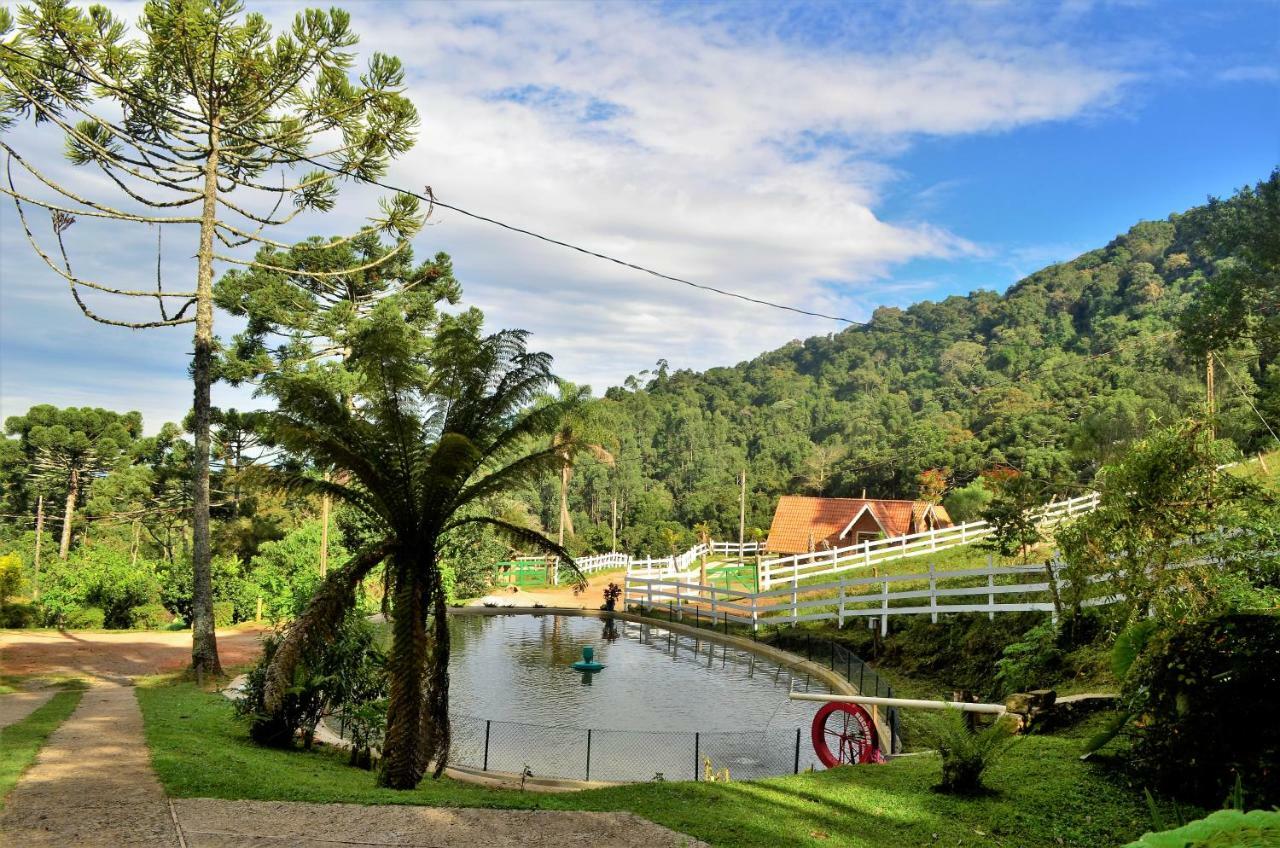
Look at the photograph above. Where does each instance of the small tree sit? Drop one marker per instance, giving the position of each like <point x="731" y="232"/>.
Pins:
<point x="1014" y="529"/>
<point x="200" y="123"/>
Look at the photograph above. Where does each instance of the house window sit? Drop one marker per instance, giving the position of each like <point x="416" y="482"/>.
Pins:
<point x="862" y="536"/>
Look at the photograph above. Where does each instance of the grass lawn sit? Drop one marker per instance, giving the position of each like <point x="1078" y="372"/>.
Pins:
<point x="21" y="741"/>
<point x="1043" y="795"/>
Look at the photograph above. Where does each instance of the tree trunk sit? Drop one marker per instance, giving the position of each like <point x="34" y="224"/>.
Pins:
<point x="69" y="514"/>
<point x="439" y="731"/>
<point x="204" y="643"/>
<point x="324" y="534"/>
<point x="35" y="583"/>
<point x="404" y="749"/>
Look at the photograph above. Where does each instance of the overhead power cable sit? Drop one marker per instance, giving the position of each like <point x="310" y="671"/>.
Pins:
<point x="1245" y="395"/>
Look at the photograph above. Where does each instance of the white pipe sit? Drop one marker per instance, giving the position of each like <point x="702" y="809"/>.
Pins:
<point x="994" y="709"/>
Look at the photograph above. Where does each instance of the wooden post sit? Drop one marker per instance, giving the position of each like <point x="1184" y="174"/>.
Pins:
<point x="257" y="616"/>
<point x="324" y="533"/>
<point x="742" y="511"/>
<point x="35" y="585"/>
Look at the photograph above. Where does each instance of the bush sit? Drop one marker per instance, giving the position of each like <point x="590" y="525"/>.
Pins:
<point x="86" y="618"/>
<point x="19" y="615"/>
<point x="102" y="577"/>
<point x="967" y="753"/>
<point x="1201" y="692"/>
<point x="1032" y="662"/>
<point x="224" y="613"/>
<point x="152" y="616"/>
<point x="346" y="676"/>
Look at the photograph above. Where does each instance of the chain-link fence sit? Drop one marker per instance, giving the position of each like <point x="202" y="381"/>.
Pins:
<point x="626" y="755"/>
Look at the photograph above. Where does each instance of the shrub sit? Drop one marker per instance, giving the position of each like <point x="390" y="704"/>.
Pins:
<point x="102" y="577"/>
<point x="1032" y="661"/>
<point x="1200" y="691"/>
<point x="19" y="615"/>
<point x="224" y="613"/>
<point x="84" y="618"/>
<point x="300" y="711"/>
<point x="967" y="753"/>
<point x="150" y="616"/>
<point x="11" y="577"/>
<point x="346" y="676"/>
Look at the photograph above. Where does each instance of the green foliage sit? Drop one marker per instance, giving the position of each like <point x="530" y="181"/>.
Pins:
<point x="19" y="615"/>
<point x="151" y="616"/>
<point x="1014" y="530"/>
<point x="11" y="578"/>
<point x="286" y="572"/>
<point x="1165" y="490"/>
<point x="967" y="751"/>
<point x="1196" y="690"/>
<point x="1223" y="829"/>
<point x="224" y="613"/>
<point x="101" y="577"/>
<point x="83" y="618"/>
<point x="348" y="676"/>
<point x="1032" y="661"/>
<point x="968" y="502"/>
<point x="175" y="583"/>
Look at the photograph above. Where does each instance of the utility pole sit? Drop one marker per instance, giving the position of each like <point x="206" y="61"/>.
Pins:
<point x="324" y="534"/>
<point x="614" y="524"/>
<point x="1208" y="384"/>
<point x="35" y="585"/>
<point x="742" y="512"/>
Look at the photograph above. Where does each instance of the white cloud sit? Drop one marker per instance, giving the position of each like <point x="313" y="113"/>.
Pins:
<point x="748" y="161"/>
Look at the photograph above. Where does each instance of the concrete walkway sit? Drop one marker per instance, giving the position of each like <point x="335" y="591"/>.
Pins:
<point x="16" y="706"/>
<point x="208" y="823"/>
<point x="91" y="785"/>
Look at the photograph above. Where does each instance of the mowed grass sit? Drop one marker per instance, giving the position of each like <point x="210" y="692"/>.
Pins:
<point x="21" y="741"/>
<point x="1042" y="794"/>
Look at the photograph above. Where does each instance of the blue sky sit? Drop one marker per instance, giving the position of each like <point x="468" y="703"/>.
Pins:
<point x="833" y="156"/>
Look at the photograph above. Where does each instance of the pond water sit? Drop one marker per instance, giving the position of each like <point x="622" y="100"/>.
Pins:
<point x="664" y="703"/>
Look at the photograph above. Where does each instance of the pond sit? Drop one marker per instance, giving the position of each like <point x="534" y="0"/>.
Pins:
<point x="664" y="704"/>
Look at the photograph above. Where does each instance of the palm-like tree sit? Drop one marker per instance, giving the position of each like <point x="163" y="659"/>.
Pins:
<point x="424" y="450"/>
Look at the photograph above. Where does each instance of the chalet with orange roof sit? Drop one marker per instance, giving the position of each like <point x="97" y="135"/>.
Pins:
<point x="804" y="524"/>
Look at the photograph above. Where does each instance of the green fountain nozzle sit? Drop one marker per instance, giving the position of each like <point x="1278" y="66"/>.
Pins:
<point x="588" y="654"/>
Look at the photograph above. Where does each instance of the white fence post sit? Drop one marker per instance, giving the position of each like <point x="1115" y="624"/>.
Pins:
<point x="795" y="594"/>
<point x="933" y="596"/>
<point x="840" y="615"/>
<point x="991" y="596"/>
<point x="884" y="608"/>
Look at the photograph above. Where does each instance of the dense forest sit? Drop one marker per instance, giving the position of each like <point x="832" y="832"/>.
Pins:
<point x="1051" y="378"/>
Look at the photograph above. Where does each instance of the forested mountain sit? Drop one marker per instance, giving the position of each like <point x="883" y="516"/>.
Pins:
<point x="1051" y="378"/>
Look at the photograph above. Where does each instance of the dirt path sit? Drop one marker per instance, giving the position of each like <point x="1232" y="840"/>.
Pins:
<point x="91" y="785"/>
<point x="16" y="706"/>
<point x="208" y="823"/>
<point x="115" y="655"/>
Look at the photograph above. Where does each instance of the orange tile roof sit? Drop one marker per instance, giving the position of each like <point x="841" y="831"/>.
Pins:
<point x="802" y="523"/>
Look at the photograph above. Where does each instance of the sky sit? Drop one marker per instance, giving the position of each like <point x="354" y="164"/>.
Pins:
<point x="835" y="157"/>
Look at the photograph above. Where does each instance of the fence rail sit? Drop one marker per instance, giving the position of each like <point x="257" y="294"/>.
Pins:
<point x="773" y="572"/>
<point x="993" y="589"/>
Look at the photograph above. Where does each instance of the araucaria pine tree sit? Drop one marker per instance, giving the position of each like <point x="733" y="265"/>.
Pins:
<point x="200" y="119"/>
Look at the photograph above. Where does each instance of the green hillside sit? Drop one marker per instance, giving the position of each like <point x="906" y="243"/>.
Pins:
<point x="1052" y="377"/>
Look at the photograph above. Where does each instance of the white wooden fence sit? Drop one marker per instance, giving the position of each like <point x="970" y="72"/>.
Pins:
<point x="993" y="589"/>
<point x="786" y="570"/>
<point x="774" y="572"/>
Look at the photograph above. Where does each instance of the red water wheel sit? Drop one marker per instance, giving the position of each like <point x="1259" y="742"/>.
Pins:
<point x="844" y="734"/>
